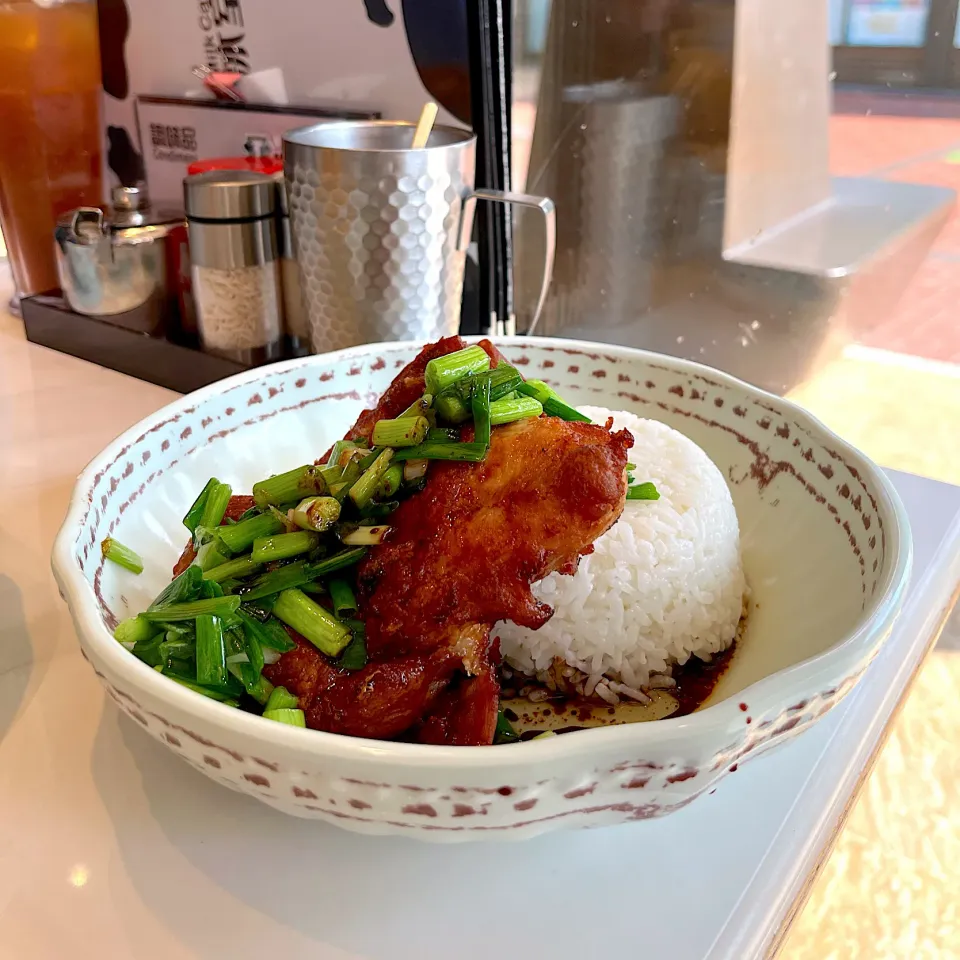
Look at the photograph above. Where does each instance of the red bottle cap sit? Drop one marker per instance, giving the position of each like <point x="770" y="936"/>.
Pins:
<point x="267" y="165"/>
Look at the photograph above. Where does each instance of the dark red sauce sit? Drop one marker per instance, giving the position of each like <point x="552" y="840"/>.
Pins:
<point x="696" y="681"/>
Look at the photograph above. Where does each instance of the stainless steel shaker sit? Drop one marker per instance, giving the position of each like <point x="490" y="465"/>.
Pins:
<point x="113" y="262"/>
<point x="381" y="229"/>
<point x="235" y="263"/>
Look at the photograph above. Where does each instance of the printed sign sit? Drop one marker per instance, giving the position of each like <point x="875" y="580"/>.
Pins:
<point x="175" y="132"/>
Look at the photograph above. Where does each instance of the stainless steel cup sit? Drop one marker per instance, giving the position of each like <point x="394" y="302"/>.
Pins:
<point x="381" y="229"/>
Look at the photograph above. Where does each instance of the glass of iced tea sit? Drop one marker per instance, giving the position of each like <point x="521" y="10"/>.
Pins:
<point x="50" y="161"/>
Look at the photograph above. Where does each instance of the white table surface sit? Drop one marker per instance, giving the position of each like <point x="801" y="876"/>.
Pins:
<point x="112" y="847"/>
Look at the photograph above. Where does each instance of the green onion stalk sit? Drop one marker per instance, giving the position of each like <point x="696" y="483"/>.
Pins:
<point x="311" y="621"/>
<point x="116" y="552"/>
<point x="317" y="513"/>
<point x="294" y="485"/>
<point x="282" y="699"/>
<point x="509" y="411"/>
<point x="469" y="452"/>
<point x="403" y="432"/>
<point x="238" y="568"/>
<point x="240" y="537"/>
<point x="363" y="536"/>
<point x="553" y="406"/>
<point x="442" y="372"/>
<point x="282" y="546"/>
<point x="216" y="606"/>
<point x="643" y="491"/>
<point x="293" y="718"/>
<point x="362" y="492"/>
<point x="192" y="517"/>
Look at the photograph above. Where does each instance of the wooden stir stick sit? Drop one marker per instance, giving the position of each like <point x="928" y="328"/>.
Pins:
<point x="428" y="116"/>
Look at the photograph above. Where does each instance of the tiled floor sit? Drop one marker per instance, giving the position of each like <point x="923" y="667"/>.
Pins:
<point x="919" y="150"/>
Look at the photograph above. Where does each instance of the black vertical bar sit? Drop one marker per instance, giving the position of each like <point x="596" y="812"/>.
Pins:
<point x="490" y="65"/>
<point x="937" y="68"/>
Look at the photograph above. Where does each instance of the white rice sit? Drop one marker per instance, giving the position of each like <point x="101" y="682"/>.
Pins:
<point x="663" y="584"/>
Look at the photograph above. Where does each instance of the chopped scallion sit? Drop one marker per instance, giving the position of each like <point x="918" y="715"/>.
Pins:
<point x="355" y="654"/>
<point x="261" y="690"/>
<point x="361" y="493"/>
<point x="239" y="537"/>
<point x="116" y="552"/>
<point x="553" y="406"/>
<point x="482" y="412"/>
<point x="283" y="545"/>
<point x="282" y="699"/>
<point x="311" y="621"/>
<point x="292" y="485"/>
<point x="451" y="408"/>
<point x="181" y="589"/>
<point x="404" y="432"/>
<point x="218" y="499"/>
<point x="293" y="718"/>
<point x="211" y="652"/>
<point x="225" y="698"/>
<point x="339" y="561"/>
<point x="503" y="380"/>
<point x="390" y="482"/>
<point x="240" y="567"/>
<point x="351" y="473"/>
<point x="317" y="513"/>
<point x="344" y="602"/>
<point x="134" y="630"/>
<point x="338" y="450"/>
<point x="291" y="575"/>
<point x="149" y="650"/>
<point x="470" y="452"/>
<point x="367" y="536"/>
<point x="275" y="636"/>
<point x="509" y="411"/>
<point x="419" y="407"/>
<point x="643" y="491"/>
<point x="218" y="606"/>
<point x="505" y="732"/>
<point x="414" y="470"/>
<point x="209" y="555"/>
<point x="192" y="518"/>
<point x="441" y="372"/>
<point x="331" y="475"/>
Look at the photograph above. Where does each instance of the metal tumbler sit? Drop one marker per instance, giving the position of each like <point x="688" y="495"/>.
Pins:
<point x="381" y="230"/>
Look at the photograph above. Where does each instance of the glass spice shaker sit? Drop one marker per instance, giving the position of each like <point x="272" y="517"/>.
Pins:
<point x="232" y="218"/>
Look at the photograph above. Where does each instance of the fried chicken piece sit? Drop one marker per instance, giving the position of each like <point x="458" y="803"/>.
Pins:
<point x="462" y="554"/>
<point x="465" y="714"/>
<point x="380" y="701"/>
<point x="303" y="671"/>
<point x="467" y="548"/>
<point x="383" y="699"/>
<point x="236" y="508"/>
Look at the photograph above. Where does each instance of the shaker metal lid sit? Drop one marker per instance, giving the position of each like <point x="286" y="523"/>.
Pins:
<point x="90" y="225"/>
<point x="229" y="195"/>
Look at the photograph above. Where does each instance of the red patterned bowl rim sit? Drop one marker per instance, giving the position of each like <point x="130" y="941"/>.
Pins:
<point x="709" y="727"/>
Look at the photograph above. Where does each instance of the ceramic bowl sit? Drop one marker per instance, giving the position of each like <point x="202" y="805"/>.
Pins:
<point x="826" y="550"/>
